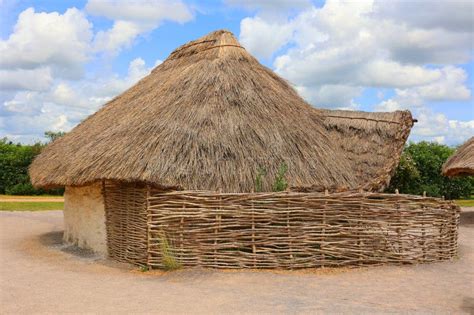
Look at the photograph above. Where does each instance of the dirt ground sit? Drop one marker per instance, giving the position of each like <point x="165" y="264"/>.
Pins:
<point x="39" y="275"/>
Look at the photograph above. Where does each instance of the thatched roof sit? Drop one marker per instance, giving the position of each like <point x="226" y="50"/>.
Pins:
<point x="462" y="161"/>
<point x="373" y="142"/>
<point x="207" y="118"/>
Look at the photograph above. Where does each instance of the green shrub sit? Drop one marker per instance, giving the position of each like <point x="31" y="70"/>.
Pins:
<point x="259" y="179"/>
<point x="167" y="256"/>
<point x="280" y="183"/>
<point x="15" y="159"/>
<point x="22" y="189"/>
<point x="419" y="170"/>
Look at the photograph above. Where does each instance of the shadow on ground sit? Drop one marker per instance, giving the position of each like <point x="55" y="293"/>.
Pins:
<point x="55" y="240"/>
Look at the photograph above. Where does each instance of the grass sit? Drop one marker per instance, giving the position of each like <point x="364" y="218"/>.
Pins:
<point x="465" y="202"/>
<point x="167" y="255"/>
<point x="31" y="206"/>
<point x="52" y="197"/>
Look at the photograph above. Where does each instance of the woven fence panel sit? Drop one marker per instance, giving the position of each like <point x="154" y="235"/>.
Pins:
<point x="126" y="221"/>
<point x="297" y="230"/>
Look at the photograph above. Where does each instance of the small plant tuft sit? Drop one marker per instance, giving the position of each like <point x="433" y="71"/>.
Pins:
<point x="144" y="268"/>
<point x="167" y="256"/>
<point x="280" y="183"/>
<point x="259" y="179"/>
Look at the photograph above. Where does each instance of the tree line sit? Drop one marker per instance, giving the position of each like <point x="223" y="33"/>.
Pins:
<point x="15" y="158"/>
<point x="419" y="170"/>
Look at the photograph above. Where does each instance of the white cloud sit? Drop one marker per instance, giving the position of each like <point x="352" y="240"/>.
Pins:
<point x="141" y="11"/>
<point x="331" y="96"/>
<point x="120" y="35"/>
<point x="43" y="80"/>
<point x="132" y="19"/>
<point x="450" y="86"/>
<point x="343" y="40"/>
<point x="450" y="15"/>
<point x="59" y="41"/>
<point x="277" y="36"/>
<point x="421" y="46"/>
<point x="437" y="127"/>
<point x="37" y="79"/>
<point x="344" y="47"/>
<point x="270" y="5"/>
<point x="64" y="105"/>
<point x="431" y="126"/>
<point x="383" y="73"/>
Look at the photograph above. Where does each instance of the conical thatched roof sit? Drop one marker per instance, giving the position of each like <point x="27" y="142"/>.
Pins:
<point x="462" y="161"/>
<point x="373" y="142"/>
<point x="207" y="118"/>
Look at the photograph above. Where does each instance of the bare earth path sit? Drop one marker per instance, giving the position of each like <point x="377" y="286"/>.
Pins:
<point x="39" y="275"/>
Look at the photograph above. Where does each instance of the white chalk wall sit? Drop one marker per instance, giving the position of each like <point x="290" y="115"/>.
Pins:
<point x="84" y="218"/>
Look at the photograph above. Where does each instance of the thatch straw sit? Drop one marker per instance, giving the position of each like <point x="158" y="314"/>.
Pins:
<point x="373" y="142"/>
<point x="207" y="118"/>
<point x="462" y="161"/>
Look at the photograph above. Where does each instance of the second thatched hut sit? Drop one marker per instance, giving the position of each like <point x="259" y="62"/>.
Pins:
<point x="461" y="163"/>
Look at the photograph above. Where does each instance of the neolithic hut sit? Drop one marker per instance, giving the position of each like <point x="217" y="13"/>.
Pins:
<point x="461" y="163"/>
<point x="208" y="118"/>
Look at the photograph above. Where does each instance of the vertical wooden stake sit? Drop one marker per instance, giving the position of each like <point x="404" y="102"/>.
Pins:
<point x="423" y="234"/>
<point x="399" y="229"/>
<point x="148" y="228"/>
<point x="216" y="230"/>
<point x="181" y="231"/>
<point x="323" y="238"/>
<point x="288" y="231"/>
<point x="254" y="248"/>
<point x="359" y="236"/>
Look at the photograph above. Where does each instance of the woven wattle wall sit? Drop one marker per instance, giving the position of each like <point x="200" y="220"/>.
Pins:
<point x="126" y="221"/>
<point x="298" y="230"/>
<point x="275" y="230"/>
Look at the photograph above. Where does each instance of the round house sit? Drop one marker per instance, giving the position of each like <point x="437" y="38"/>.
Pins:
<point x="211" y="118"/>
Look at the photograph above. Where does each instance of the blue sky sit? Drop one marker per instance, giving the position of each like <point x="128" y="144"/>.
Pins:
<point x="61" y="60"/>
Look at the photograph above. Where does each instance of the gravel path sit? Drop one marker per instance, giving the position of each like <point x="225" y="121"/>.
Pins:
<point x="38" y="275"/>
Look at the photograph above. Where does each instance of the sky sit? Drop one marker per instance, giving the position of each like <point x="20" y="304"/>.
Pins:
<point x="60" y="61"/>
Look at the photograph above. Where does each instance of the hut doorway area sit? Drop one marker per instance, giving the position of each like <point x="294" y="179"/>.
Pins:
<point x="126" y="215"/>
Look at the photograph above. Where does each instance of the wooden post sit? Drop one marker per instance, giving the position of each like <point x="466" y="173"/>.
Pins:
<point x="323" y="238"/>
<point x="423" y="233"/>
<point x="254" y="248"/>
<point x="148" y="228"/>
<point x="216" y="230"/>
<point x="288" y="232"/>
<point x="399" y="229"/>
<point x="181" y="231"/>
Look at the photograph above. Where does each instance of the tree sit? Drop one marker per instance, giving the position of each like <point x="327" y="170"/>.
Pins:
<point x="406" y="177"/>
<point x="15" y="160"/>
<point x="420" y="170"/>
<point x="53" y="135"/>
